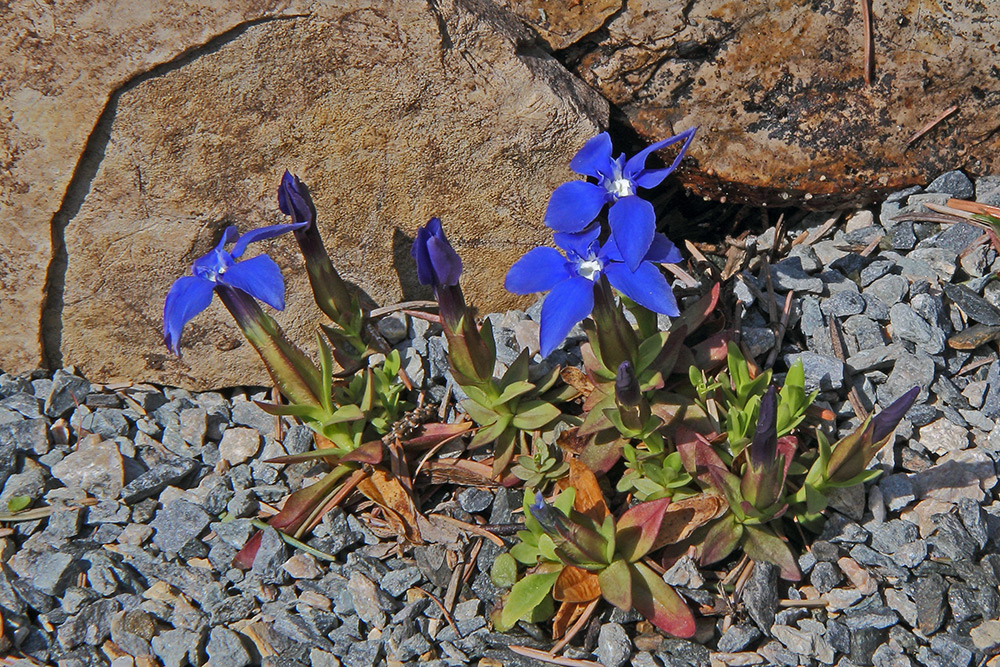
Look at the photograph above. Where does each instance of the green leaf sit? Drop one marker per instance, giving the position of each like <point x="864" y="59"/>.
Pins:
<point x="489" y="433"/>
<point x="479" y="396"/>
<point x="533" y="415"/>
<point x="513" y="390"/>
<point x="616" y="584"/>
<point x="721" y="539"/>
<point x="761" y="544"/>
<point x="816" y="502"/>
<point x="527" y="594"/>
<point x="504" y="571"/>
<point x="18" y="504"/>
<point x="326" y="373"/>
<point x="345" y="413"/>
<point x="649" y="349"/>
<point x="480" y="414"/>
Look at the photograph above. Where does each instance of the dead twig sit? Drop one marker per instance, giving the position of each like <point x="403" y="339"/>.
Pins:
<point x="930" y="126"/>
<point x="577" y="626"/>
<point x="866" y="16"/>
<point x="554" y="659"/>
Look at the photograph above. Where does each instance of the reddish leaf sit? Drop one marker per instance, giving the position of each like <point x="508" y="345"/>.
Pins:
<point x="433" y="434"/>
<point x="713" y="350"/>
<point x="639" y="527"/>
<point x="659" y="603"/>
<point x="696" y="314"/>
<point x="296" y="511"/>
<point x="370" y="453"/>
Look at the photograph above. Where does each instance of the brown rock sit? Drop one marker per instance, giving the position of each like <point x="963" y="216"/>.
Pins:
<point x="390" y="112"/>
<point x="562" y="24"/>
<point x="779" y="92"/>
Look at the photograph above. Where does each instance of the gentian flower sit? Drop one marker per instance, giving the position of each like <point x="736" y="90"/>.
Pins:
<point x="258" y="276"/>
<point x="439" y="266"/>
<point x="575" y="205"/>
<point x="571" y="280"/>
<point x="437" y="262"/>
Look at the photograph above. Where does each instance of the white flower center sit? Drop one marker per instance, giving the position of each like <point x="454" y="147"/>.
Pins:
<point x="622" y="187"/>
<point x="589" y="268"/>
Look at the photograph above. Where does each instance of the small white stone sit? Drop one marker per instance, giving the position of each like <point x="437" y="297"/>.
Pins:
<point x="239" y="444"/>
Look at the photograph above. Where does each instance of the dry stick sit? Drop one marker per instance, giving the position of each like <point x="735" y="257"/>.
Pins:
<point x="447" y="614"/>
<point x="772" y="305"/>
<point x="554" y="659"/>
<point x="472" y="528"/>
<point x="871" y="246"/>
<point x="402" y="306"/>
<point x="580" y="622"/>
<point x="837" y="339"/>
<point x="779" y="236"/>
<point x="866" y="16"/>
<point x="779" y="336"/>
<point x="930" y="126"/>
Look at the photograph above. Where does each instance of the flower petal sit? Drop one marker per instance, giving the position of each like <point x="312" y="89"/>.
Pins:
<point x="580" y="242"/>
<point x="259" y="277"/>
<point x="635" y="168"/>
<point x="663" y="251"/>
<point x="539" y="270"/>
<point x="292" y="199"/>
<point x="646" y="286"/>
<point x="445" y="262"/>
<point x="574" y="205"/>
<point x="569" y="302"/>
<point x="262" y="233"/>
<point x="633" y="224"/>
<point x="187" y="297"/>
<point x="594" y="159"/>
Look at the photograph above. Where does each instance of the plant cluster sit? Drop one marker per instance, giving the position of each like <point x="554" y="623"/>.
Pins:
<point x="669" y="440"/>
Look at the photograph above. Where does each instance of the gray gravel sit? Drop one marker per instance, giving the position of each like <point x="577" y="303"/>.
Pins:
<point x="905" y="572"/>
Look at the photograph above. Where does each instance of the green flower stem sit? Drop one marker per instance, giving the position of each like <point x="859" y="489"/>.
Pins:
<point x="302" y="546"/>
<point x="616" y="337"/>
<point x="292" y="371"/>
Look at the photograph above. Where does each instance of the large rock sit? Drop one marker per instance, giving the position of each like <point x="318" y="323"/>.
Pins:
<point x="779" y="93"/>
<point x="390" y="112"/>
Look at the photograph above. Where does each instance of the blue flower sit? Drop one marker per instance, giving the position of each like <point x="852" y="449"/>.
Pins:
<point x="576" y="204"/>
<point x="437" y="262"/>
<point x="571" y="279"/>
<point x="259" y="277"/>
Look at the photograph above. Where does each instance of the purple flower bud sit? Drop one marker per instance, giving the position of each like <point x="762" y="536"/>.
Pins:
<point x="293" y="199"/>
<point x="764" y="446"/>
<point x="627" y="385"/>
<point x="886" y="421"/>
<point x="437" y="262"/>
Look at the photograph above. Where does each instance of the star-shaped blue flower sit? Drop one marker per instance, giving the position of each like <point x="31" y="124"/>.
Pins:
<point x="258" y="276"/>
<point x="576" y="204"/>
<point x="571" y="279"/>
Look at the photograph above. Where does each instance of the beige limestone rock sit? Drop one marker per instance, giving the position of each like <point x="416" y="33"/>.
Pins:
<point x="60" y="63"/>
<point x="96" y="467"/>
<point x="390" y="112"/>
<point x="778" y="90"/>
